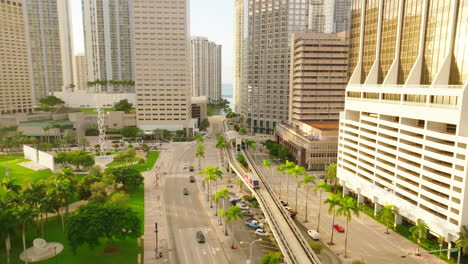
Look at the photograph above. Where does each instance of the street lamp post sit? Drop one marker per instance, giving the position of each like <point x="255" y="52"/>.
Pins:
<point x="156" y="232"/>
<point x="55" y="254"/>
<point x="251" y="244"/>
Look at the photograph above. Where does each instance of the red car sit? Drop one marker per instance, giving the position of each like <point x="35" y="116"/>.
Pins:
<point x="339" y="228"/>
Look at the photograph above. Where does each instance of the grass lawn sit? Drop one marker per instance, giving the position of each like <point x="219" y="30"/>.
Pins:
<point x="117" y="163"/>
<point x="150" y="161"/>
<point x="91" y="111"/>
<point x="22" y="175"/>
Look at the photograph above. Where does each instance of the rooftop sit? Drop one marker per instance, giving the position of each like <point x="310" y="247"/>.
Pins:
<point x="325" y="125"/>
<point x="46" y="123"/>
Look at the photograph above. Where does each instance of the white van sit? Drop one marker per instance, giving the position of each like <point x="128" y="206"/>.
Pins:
<point x="313" y="234"/>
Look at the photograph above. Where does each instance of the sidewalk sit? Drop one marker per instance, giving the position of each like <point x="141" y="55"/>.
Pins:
<point x="154" y="212"/>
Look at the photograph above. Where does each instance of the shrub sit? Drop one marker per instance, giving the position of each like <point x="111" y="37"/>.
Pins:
<point x="242" y="160"/>
<point x="317" y="247"/>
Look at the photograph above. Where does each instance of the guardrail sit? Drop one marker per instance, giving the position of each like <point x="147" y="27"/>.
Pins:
<point x="268" y="204"/>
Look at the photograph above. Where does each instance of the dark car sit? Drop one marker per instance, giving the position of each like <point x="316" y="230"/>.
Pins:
<point x="192" y="178"/>
<point x="246" y="213"/>
<point x="185" y="191"/>
<point x="200" y="237"/>
<point x="191" y="168"/>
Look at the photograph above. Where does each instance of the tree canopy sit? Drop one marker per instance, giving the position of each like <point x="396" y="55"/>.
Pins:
<point x="131" y="132"/>
<point x="51" y="101"/>
<point x="123" y="105"/>
<point x="129" y="177"/>
<point x="76" y="158"/>
<point x="95" y="220"/>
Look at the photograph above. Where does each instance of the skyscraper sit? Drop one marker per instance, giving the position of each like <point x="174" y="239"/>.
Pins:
<point x="265" y="76"/>
<point x="206" y="69"/>
<point x="162" y="64"/>
<point x="81" y="78"/>
<point x="43" y="36"/>
<point x="108" y="40"/>
<point x="15" y="87"/>
<point x="403" y="135"/>
<point x="337" y="14"/>
<point x="238" y="51"/>
<point x="66" y="42"/>
<point x="316" y="16"/>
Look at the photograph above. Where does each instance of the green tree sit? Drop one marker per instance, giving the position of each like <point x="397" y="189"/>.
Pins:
<point x="297" y="171"/>
<point x="306" y="181"/>
<point x="83" y="142"/>
<point x="271" y="258"/>
<point x="180" y="133"/>
<point x="46" y="129"/>
<point x="200" y="154"/>
<point x="359" y="261"/>
<point x="316" y="246"/>
<point x="347" y="208"/>
<point x="330" y="175"/>
<point x="242" y="160"/>
<point x="131" y="132"/>
<point x="242" y="131"/>
<point x="288" y="168"/>
<point x="51" y="101"/>
<point x="94" y="221"/>
<point x="166" y="133"/>
<point x="212" y="174"/>
<point x="419" y="232"/>
<point x="123" y="105"/>
<point x="129" y="177"/>
<point x="119" y="198"/>
<point x="69" y="136"/>
<point x="204" y="124"/>
<point x="56" y="126"/>
<point x="231" y="215"/>
<point x="25" y="215"/>
<point x="158" y="133"/>
<point x="221" y="145"/>
<point x="333" y="202"/>
<point x="462" y="242"/>
<point x="222" y="194"/>
<point x="8" y="220"/>
<point x="387" y="213"/>
<point x="319" y="187"/>
<point x="199" y="138"/>
<point x="283" y="152"/>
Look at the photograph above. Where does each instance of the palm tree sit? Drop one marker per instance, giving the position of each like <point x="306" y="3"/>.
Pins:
<point x="56" y="127"/>
<point x="239" y="183"/>
<point x="267" y="164"/>
<point x="462" y="242"/>
<point x="419" y="232"/>
<point x="347" y="209"/>
<point x="319" y="187"/>
<point x="296" y="171"/>
<point x="221" y="145"/>
<point x="158" y="133"/>
<point x="8" y="220"/>
<point x="25" y="215"/>
<point x="46" y="129"/>
<point x="333" y="202"/>
<point x="330" y="175"/>
<point x="388" y="213"/>
<point x="289" y="165"/>
<point x="210" y="177"/>
<point x="232" y="214"/>
<point x="10" y="186"/>
<point x="308" y="179"/>
<point x="271" y="258"/>
<point x="222" y="194"/>
<point x="199" y="138"/>
<point x="200" y="154"/>
<point x="34" y="196"/>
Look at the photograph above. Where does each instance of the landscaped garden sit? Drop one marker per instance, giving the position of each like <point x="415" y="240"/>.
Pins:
<point x="118" y="191"/>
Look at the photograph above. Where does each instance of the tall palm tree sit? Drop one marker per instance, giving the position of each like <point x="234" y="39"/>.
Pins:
<point x="347" y="208"/>
<point x="419" y="232"/>
<point x="232" y="214"/>
<point x="319" y="187"/>
<point x="10" y="186"/>
<point x="462" y="242"/>
<point x="239" y="183"/>
<point x="267" y="164"/>
<point x="34" y="196"/>
<point x="56" y="126"/>
<point x="330" y="175"/>
<point x="387" y="213"/>
<point x="25" y="215"/>
<point x="296" y="171"/>
<point x="218" y="196"/>
<point x="210" y="177"/>
<point x="200" y="154"/>
<point x="46" y="129"/>
<point x="221" y="145"/>
<point x="289" y="169"/>
<point x="8" y="220"/>
<point x="308" y="179"/>
<point x="333" y="202"/>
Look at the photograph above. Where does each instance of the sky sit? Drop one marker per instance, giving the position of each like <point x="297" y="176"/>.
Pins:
<point x="208" y="18"/>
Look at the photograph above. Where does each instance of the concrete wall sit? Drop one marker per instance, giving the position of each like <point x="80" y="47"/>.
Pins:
<point x="40" y="157"/>
<point x="30" y="153"/>
<point x="85" y="99"/>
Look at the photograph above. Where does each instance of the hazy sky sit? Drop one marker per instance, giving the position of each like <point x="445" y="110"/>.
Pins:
<point x="208" y="18"/>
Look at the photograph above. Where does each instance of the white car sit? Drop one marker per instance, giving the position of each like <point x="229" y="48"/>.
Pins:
<point x="313" y="234"/>
<point x="261" y="232"/>
<point x="185" y="166"/>
<point x="243" y="207"/>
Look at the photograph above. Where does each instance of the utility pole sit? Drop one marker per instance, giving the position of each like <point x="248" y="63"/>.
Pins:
<point x="156" y="232"/>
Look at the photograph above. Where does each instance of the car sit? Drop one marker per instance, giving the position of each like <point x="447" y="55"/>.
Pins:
<point x="234" y="199"/>
<point x="313" y="234"/>
<point x="191" y="168"/>
<point x="261" y="232"/>
<point x="246" y="213"/>
<point x="291" y="211"/>
<point x="192" y="178"/>
<point x="200" y="237"/>
<point x="254" y="224"/>
<point x="283" y="203"/>
<point x="185" y="166"/>
<point x="242" y="206"/>
<point x="338" y="228"/>
<point x="186" y="191"/>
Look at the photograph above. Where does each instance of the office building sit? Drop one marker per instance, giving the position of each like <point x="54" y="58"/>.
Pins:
<point x="265" y="75"/>
<point x="162" y="65"/>
<point x="337" y="14"/>
<point x="44" y="40"/>
<point x="238" y="51"/>
<point x="316" y="97"/>
<point x="66" y="43"/>
<point x="15" y="87"/>
<point x="108" y="42"/>
<point x="206" y="69"/>
<point x="316" y="16"/>
<point x="403" y="134"/>
<point x="81" y="74"/>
